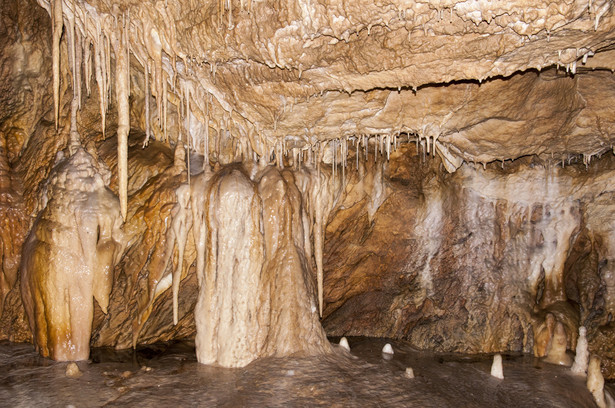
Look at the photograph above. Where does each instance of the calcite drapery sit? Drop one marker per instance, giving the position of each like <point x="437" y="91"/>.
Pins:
<point x="69" y="255"/>
<point x="256" y="296"/>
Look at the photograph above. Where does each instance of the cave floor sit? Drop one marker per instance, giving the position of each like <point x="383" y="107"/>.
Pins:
<point x="169" y="375"/>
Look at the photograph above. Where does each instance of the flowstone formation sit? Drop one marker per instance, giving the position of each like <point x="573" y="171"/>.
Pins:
<point x="256" y="297"/>
<point x="69" y="255"/>
<point x="438" y="172"/>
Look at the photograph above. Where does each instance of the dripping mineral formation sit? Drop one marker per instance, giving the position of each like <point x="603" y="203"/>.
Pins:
<point x="257" y="176"/>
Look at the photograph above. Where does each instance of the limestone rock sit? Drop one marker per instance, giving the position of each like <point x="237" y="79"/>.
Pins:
<point x="69" y="257"/>
<point x="556" y="353"/>
<point x="496" y="367"/>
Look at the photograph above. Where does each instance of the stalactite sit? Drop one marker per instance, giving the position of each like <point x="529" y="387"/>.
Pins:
<point x="107" y="54"/>
<point x="58" y="23"/>
<point x="100" y="76"/>
<point x="181" y="224"/>
<point x="122" y="78"/>
<point x="147" y="102"/>
<point x="165" y="103"/>
<point x="206" y="147"/>
<point x="87" y="58"/>
<point x="78" y="65"/>
<point x="70" y="37"/>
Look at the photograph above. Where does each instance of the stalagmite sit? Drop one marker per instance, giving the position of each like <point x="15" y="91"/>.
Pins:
<point x="69" y="255"/>
<point x="254" y="272"/>
<point x="58" y="22"/>
<point x="496" y="367"/>
<point x="344" y="343"/>
<point x="595" y="381"/>
<point x="582" y="353"/>
<point x="387" y="350"/>
<point x="409" y="373"/>
<point x="556" y="353"/>
<point x="122" y="81"/>
<point x="72" y="370"/>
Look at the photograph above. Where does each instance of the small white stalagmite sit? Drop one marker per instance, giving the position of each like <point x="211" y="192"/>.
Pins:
<point x="496" y="367"/>
<point x="388" y="349"/>
<point x="581" y="358"/>
<point x="409" y="372"/>
<point x="595" y="381"/>
<point x="344" y="343"/>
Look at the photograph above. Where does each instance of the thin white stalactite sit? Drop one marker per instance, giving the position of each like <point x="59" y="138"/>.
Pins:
<point x="164" y="109"/>
<point x="98" y="68"/>
<point x="148" y="130"/>
<point x="70" y="37"/>
<point x="58" y="23"/>
<point x="122" y="78"/>
<point x="79" y="64"/>
<point x="87" y="58"/>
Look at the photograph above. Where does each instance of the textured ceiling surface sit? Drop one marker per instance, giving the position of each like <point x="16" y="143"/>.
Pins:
<point x="283" y="74"/>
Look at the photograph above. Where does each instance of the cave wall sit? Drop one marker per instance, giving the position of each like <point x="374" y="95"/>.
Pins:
<point x="473" y="261"/>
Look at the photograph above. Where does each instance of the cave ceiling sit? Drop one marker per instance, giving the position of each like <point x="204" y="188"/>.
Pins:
<point x="477" y="81"/>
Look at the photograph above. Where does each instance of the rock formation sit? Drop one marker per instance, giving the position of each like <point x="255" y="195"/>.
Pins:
<point x="582" y="354"/>
<point x="439" y="172"/>
<point x="556" y="353"/>
<point x="256" y="297"/>
<point x="69" y="255"/>
<point x="496" y="367"/>
<point x="595" y="381"/>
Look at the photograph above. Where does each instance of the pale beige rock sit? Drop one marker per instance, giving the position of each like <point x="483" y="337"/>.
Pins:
<point x="256" y="296"/>
<point x="582" y="353"/>
<point x="595" y="381"/>
<point x="344" y="344"/>
<point x="409" y="373"/>
<point x="73" y="371"/>
<point x="496" y="367"/>
<point x="556" y="353"/>
<point x="321" y="71"/>
<point x="300" y="83"/>
<point x="69" y="255"/>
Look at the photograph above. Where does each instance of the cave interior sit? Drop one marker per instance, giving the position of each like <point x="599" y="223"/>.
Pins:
<point x="262" y="177"/>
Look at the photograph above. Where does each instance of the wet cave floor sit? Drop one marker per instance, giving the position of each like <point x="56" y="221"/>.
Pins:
<point x="168" y="375"/>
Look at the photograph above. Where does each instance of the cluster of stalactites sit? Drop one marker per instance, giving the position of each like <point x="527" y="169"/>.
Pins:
<point x="320" y="190"/>
<point x="92" y="39"/>
<point x="207" y="122"/>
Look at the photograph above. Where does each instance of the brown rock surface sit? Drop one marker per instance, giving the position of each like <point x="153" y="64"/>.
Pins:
<point x="472" y="261"/>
